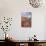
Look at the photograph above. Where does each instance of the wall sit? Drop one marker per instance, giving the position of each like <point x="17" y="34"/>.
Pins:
<point x="45" y="27"/>
<point x="13" y="8"/>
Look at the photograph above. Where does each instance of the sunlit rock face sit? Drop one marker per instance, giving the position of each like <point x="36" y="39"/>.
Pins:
<point x="35" y="3"/>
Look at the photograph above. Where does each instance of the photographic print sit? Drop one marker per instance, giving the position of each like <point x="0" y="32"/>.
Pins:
<point x="26" y="19"/>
